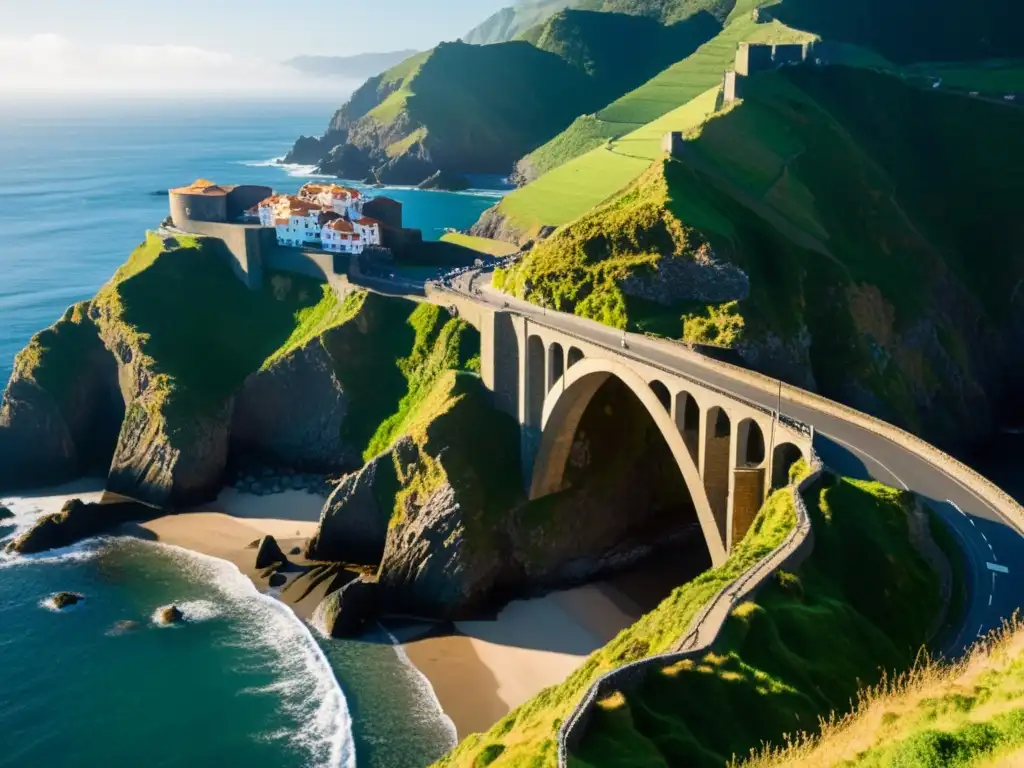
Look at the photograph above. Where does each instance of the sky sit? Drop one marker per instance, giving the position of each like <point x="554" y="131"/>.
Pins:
<point x="208" y="45"/>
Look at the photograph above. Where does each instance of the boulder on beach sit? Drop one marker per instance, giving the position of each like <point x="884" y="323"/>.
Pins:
<point x="254" y="544"/>
<point x="5" y="513"/>
<point x="64" y="599"/>
<point x="76" y="521"/>
<point x="170" y="614"/>
<point x="295" y="551"/>
<point x="269" y="553"/>
<point x="345" y="612"/>
<point x="277" y="580"/>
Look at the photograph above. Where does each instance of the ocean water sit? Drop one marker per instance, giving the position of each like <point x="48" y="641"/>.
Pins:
<point x="80" y="182"/>
<point x="244" y="682"/>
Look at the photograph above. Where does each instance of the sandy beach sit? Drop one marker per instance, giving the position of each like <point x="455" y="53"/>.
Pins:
<point x="484" y="669"/>
<point x="227" y="528"/>
<point x="479" y="670"/>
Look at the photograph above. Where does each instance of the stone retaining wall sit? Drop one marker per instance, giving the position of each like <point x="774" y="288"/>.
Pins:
<point x="705" y="627"/>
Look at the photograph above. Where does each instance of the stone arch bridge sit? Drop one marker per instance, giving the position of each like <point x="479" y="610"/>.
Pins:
<point x="731" y="452"/>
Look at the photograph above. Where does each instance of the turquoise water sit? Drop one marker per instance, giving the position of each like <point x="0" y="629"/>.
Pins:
<point x="244" y="682"/>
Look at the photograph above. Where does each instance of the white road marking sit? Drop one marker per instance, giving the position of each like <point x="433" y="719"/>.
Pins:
<point x="990" y="600"/>
<point x="985" y="538"/>
<point x="972" y="521"/>
<point x="980" y="627"/>
<point x="996" y="568"/>
<point x="868" y="455"/>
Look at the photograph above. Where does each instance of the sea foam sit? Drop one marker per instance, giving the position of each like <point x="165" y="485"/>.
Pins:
<point x="306" y="687"/>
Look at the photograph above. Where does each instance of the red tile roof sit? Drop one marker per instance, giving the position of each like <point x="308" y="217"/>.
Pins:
<point x="340" y="225"/>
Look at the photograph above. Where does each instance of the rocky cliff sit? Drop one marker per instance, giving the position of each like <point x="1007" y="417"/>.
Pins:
<point x="456" y="532"/>
<point x="62" y="409"/>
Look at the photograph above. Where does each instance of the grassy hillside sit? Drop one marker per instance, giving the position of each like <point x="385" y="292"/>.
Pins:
<point x="663" y="98"/>
<point x="857" y="205"/>
<point x="461" y="109"/>
<point x="859" y="607"/>
<point x="771" y="642"/>
<point x="618" y="50"/>
<point x="965" y="715"/>
<point x="508" y="23"/>
<point x="526" y="736"/>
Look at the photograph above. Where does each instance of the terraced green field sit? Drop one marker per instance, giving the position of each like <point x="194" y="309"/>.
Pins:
<point x="572" y="189"/>
<point x="599" y="155"/>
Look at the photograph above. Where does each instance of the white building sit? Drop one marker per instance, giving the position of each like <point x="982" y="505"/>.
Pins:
<point x="340" y="236"/>
<point x="369" y="229"/>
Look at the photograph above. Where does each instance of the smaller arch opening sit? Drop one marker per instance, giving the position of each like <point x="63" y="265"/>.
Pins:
<point x="751" y="449"/>
<point x="535" y="389"/>
<point x="661" y="392"/>
<point x="784" y="457"/>
<point x="556" y="364"/>
<point x="574" y="356"/>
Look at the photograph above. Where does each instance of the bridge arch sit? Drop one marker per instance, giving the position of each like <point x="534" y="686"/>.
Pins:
<point x="750" y="444"/>
<point x="784" y="457"/>
<point x="561" y="417"/>
<point x="574" y="356"/>
<point x="535" y="389"/>
<point x="556" y="363"/>
<point x="686" y="412"/>
<point x="661" y="392"/>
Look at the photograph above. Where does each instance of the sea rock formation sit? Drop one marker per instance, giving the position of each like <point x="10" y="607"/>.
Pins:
<point x="442" y="180"/>
<point x="170" y="614"/>
<point x="269" y="553"/>
<point x="5" y="513"/>
<point x="354" y="522"/>
<point x="76" y="521"/>
<point x="292" y="412"/>
<point x="345" y="612"/>
<point x="64" y="599"/>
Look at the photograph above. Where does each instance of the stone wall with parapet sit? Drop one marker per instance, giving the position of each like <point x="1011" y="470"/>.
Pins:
<point x="981" y="486"/>
<point x="705" y="627"/>
<point x="246" y="244"/>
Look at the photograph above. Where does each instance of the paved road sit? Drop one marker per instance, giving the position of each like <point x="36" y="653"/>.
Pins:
<point x="994" y="549"/>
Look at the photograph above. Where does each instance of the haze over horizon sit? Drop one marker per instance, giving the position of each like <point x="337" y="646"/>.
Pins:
<point x="227" y="47"/>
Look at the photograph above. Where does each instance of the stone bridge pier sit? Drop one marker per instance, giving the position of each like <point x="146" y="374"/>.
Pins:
<point x="731" y="453"/>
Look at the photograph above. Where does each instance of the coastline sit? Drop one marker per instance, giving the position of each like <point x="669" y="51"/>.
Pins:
<point x="479" y="670"/>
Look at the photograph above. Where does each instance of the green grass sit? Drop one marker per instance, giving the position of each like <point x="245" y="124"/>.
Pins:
<point x="313" y="321"/>
<point x="527" y="734"/>
<point x="969" y="714"/>
<point x="199" y="329"/>
<point x="668" y="92"/>
<point x="859" y="606"/>
<point x="480" y="244"/>
<point x="440" y="344"/>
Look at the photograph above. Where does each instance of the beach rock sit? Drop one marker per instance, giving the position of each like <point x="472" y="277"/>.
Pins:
<point x="170" y="614"/>
<point x="430" y="568"/>
<point x="254" y="544"/>
<point x="295" y="551"/>
<point x="76" y="521"/>
<point x="292" y="412"/>
<point x="275" y="488"/>
<point x="345" y="612"/>
<point x="5" y="513"/>
<point x="277" y="580"/>
<point x="64" y="599"/>
<point x="354" y="522"/>
<point x="269" y="553"/>
<point x="256" y="489"/>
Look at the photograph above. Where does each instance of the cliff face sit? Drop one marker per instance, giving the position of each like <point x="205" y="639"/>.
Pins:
<point x="456" y="532"/>
<point x="62" y="408"/>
